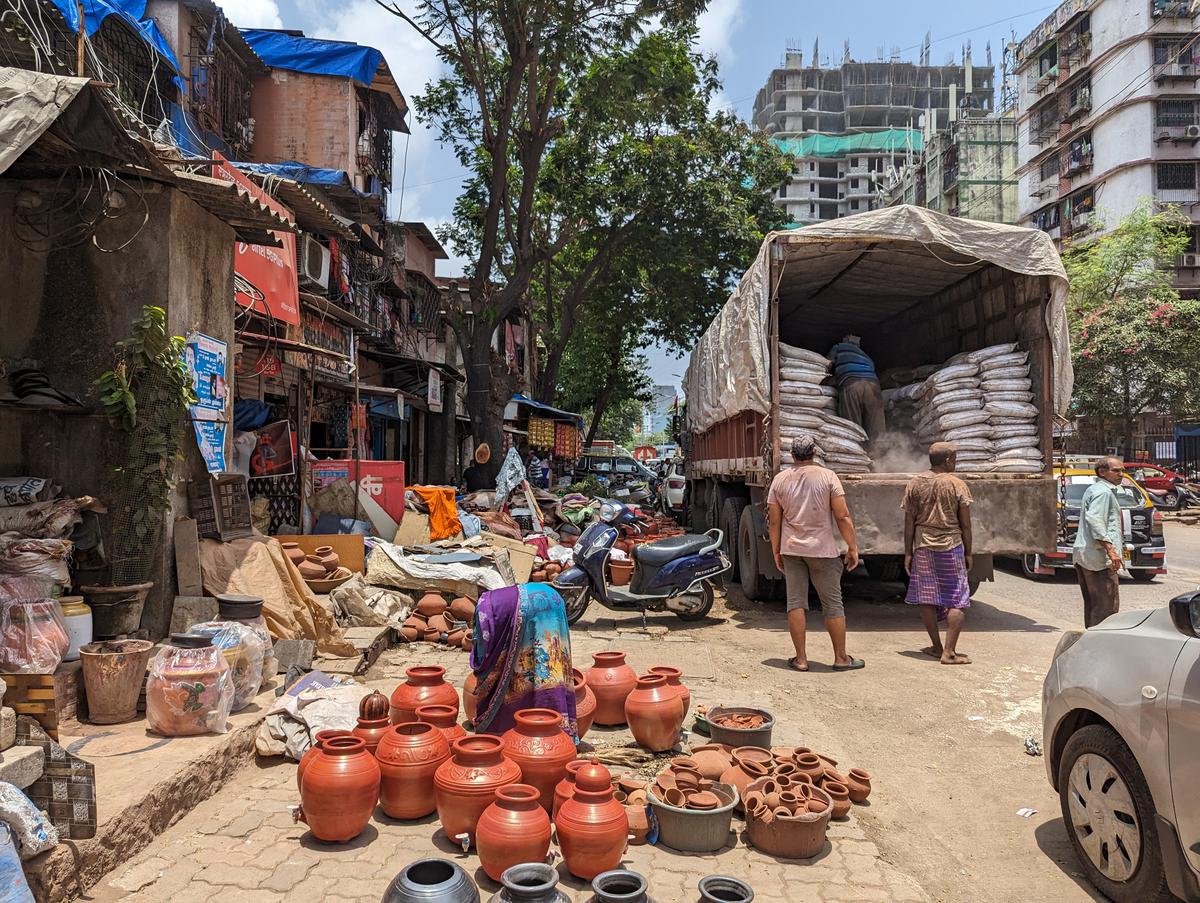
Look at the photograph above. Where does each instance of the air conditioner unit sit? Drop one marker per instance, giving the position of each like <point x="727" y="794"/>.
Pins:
<point x="1192" y="132"/>
<point x="313" y="258"/>
<point x="1191" y="260"/>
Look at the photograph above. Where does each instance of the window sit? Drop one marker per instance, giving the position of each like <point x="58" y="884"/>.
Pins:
<point x="1175" y="175"/>
<point x="854" y="183"/>
<point x="1168" y="51"/>
<point x="812" y="208"/>
<point x="1172" y="113"/>
<point x="1049" y="169"/>
<point x="812" y="186"/>
<point x="854" y="205"/>
<point x="853" y="162"/>
<point x="812" y="167"/>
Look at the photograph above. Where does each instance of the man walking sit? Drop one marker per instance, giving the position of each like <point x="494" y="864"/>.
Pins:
<point x="937" y="550"/>
<point x="806" y="504"/>
<point x="860" y="399"/>
<point x="1100" y="544"/>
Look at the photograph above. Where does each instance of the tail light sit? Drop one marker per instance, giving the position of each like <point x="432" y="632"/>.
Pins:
<point x="1156" y="523"/>
<point x="676" y="482"/>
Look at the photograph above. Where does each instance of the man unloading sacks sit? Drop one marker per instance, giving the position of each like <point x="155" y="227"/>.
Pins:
<point x="859" y="397"/>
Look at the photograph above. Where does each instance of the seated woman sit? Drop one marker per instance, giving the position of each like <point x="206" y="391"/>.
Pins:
<point x="522" y="656"/>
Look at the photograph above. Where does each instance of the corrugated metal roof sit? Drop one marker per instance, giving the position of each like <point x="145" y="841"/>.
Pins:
<point x="251" y="219"/>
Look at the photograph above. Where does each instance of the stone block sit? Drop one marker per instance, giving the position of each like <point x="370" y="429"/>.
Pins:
<point x="8" y="728"/>
<point x="294" y="652"/>
<point x="189" y="610"/>
<point x="22" y="765"/>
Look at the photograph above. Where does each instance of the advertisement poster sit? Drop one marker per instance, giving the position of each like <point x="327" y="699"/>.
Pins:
<point x="383" y="481"/>
<point x="435" y="390"/>
<point x="206" y="359"/>
<point x="264" y="278"/>
<point x="274" y="453"/>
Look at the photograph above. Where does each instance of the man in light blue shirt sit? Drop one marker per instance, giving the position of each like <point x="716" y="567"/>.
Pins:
<point x="1099" y="543"/>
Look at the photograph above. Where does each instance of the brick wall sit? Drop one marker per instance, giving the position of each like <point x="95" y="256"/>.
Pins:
<point x="309" y="118"/>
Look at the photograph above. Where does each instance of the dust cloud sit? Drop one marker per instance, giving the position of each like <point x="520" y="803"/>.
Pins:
<point x="898" y="451"/>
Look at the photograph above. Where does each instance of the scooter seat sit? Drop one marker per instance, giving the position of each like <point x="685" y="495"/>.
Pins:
<point x="656" y="554"/>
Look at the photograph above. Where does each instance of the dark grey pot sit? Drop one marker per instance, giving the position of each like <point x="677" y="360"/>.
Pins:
<point x="530" y="882"/>
<point x="431" y="881"/>
<point x="620" y="886"/>
<point x="723" y="889"/>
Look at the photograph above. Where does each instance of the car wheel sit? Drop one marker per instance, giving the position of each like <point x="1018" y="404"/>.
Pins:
<point x="887" y="568"/>
<point x="1028" y="563"/>
<point x="1109" y="816"/>
<point x="731" y="519"/>
<point x="1171" y="500"/>
<point x="1142" y="576"/>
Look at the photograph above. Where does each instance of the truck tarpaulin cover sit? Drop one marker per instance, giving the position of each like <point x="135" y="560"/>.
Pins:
<point x="730" y="367"/>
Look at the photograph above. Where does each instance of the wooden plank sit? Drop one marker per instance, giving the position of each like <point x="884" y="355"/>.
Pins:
<point x="349" y="547"/>
<point x="187" y="558"/>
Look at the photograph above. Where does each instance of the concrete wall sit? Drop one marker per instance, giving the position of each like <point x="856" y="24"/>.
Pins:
<point x="309" y="118"/>
<point x="418" y="257"/>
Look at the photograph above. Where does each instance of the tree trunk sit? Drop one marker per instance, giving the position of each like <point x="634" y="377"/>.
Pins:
<point x="602" y="401"/>
<point x="488" y="391"/>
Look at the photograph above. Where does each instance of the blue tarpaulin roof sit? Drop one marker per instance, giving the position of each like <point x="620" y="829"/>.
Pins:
<point x="300" y="172"/>
<point x="133" y="12"/>
<point x="281" y="50"/>
<point x="546" y="409"/>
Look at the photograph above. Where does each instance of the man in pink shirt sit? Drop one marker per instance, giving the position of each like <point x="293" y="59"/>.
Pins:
<point x="806" y="504"/>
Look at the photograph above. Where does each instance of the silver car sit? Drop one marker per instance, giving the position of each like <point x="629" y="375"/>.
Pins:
<point x="1121" y="721"/>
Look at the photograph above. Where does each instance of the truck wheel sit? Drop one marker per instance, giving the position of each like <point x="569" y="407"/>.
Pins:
<point x="1028" y="563"/>
<point x="754" y="585"/>
<point x="973" y="585"/>
<point x="888" y="568"/>
<point x="731" y="522"/>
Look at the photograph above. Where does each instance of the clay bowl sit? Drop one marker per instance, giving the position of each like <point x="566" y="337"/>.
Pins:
<point x="331" y="582"/>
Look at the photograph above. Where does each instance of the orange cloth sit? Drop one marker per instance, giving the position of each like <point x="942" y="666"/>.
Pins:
<point x="443" y="511"/>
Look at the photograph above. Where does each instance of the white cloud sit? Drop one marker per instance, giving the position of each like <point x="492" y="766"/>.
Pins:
<point x="255" y="14"/>
<point x="716" y="25"/>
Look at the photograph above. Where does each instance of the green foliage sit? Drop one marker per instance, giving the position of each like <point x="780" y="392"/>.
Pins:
<point x="622" y="422"/>
<point x="1135" y="342"/>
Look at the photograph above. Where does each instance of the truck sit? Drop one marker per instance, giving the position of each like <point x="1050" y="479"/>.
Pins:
<point x="918" y="287"/>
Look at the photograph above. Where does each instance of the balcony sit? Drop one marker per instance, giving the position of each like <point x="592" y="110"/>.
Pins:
<point x="1047" y="186"/>
<point x="1039" y="84"/>
<point x="1076" y="48"/>
<point x="1183" y="70"/>
<point x="1075" y="163"/>
<point x="1177" y="196"/>
<point x="1044" y="126"/>
<point x="1172" y="9"/>
<point x="1079" y="105"/>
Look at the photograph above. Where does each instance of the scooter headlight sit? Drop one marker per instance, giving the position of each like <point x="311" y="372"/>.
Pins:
<point x="608" y="511"/>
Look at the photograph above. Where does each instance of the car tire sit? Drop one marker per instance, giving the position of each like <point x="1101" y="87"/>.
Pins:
<point x="1027" y="563"/>
<point x="1100" y="783"/>
<point x="1143" y="576"/>
<point x="731" y="521"/>
<point x="755" y="586"/>
<point x="1171" y="500"/>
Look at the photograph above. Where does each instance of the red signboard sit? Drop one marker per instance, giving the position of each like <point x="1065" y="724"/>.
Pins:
<point x="383" y="481"/>
<point x="264" y="277"/>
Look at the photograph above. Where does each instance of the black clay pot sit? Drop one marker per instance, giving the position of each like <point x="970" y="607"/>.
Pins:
<point x="239" y="608"/>
<point x="723" y="889"/>
<point x="431" y="881"/>
<point x="620" y="886"/>
<point x="530" y="882"/>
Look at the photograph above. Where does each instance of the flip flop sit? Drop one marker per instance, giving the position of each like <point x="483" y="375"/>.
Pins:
<point x="928" y="650"/>
<point x="792" y="664"/>
<point x="959" y="659"/>
<point x="855" y="664"/>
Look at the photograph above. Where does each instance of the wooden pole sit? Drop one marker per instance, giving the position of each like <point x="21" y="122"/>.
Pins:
<point x="79" y="38"/>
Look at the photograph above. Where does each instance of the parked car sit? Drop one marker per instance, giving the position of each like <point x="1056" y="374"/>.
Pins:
<point x="1152" y="476"/>
<point x="673" y="488"/>
<point x="1145" y="545"/>
<point x="1121" y="734"/>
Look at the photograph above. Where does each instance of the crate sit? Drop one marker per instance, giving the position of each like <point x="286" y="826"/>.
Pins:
<point x="221" y="507"/>
<point x="49" y="699"/>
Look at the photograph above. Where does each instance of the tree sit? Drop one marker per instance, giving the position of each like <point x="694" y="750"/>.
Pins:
<point x="1135" y="342"/>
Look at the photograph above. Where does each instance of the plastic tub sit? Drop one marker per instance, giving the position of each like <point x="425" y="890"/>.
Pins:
<point x="692" y="831"/>
<point x="734" y="736"/>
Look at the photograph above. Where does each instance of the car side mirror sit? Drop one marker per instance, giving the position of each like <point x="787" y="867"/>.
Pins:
<point x="1185" y="612"/>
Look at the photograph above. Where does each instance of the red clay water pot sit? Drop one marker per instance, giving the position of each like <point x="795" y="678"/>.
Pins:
<point x="612" y="681"/>
<point x="585" y="703"/>
<point x="592" y="826"/>
<point x="463" y="609"/>
<point x="512" y="830"/>
<point x="426" y="685"/>
<point x="431" y="604"/>
<point x="339" y="789"/>
<point x="409" y="755"/>
<point x="371" y="730"/>
<point x="565" y="789"/>
<point x="654" y="711"/>
<point x="466" y="784"/>
<point x="859" y="784"/>
<point x="318" y="739"/>
<point x="542" y="748"/>
<point x="444" y="718"/>
<point x="673" y="676"/>
<point x="470" y="700"/>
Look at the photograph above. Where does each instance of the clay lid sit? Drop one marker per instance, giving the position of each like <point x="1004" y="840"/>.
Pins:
<point x="703" y="800"/>
<point x="190" y="640"/>
<point x="592" y="777"/>
<point x="237" y="607"/>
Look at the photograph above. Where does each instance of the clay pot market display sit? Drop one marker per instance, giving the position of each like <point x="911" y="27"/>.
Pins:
<point x="466" y="784"/>
<point x="409" y="756"/>
<point x="318" y="739"/>
<point x="339" y="789"/>
<point x="542" y="748"/>
<point x="592" y="826"/>
<point x="585" y="703"/>
<point x="675" y="680"/>
<point x="444" y="718"/>
<point x="654" y="712"/>
<point x="426" y="685"/>
<point x="612" y="681"/>
<point x="512" y="830"/>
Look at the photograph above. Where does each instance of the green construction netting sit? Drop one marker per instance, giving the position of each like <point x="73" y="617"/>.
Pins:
<point x="839" y="145"/>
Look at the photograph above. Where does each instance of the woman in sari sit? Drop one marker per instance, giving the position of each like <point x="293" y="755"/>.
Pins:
<point x="522" y="657"/>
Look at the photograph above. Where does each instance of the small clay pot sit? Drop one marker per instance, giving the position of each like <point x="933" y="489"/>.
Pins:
<point x="675" y="797"/>
<point x="444" y="718"/>
<point x="811" y="765"/>
<point x="840" y="794"/>
<point x="439" y="623"/>
<point x="328" y="557"/>
<point x="293" y="551"/>
<point x="463" y="609"/>
<point x="311" y="568"/>
<point x="455" y="638"/>
<point x="830" y="774"/>
<point x="817" y="806"/>
<point x="859" y="784"/>
<point x="409" y="634"/>
<point x="639" y="824"/>
<point x="468" y="643"/>
<point x="630" y="784"/>
<point x="711" y="761"/>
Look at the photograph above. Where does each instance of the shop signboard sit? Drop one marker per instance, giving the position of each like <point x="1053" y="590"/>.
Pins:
<point x="435" y="390"/>
<point x="206" y="360"/>
<point x="274" y="451"/>
<point x="264" y="278"/>
<point x="383" y="481"/>
<point x="321" y="331"/>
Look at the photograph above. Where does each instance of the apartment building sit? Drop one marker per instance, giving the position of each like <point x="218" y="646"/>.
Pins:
<point x="847" y="125"/>
<point x="1109" y="115"/>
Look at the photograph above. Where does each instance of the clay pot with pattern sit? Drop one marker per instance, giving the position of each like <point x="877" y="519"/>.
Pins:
<point x="319" y="738"/>
<point x="859" y="784"/>
<point x="565" y="788"/>
<point x="339" y="789"/>
<point x="426" y="685"/>
<point x="463" y="609"/>
<point x="470" y="700"/>
<point x="654" y="712"/>
<point x="612" y="681"/>
<point x="512" y="830"/>
<point x="409" y="755"/>
<point x="585" y="703"/>
<point x="674" y="681"/>
<point x="592" y="827"/>
<point x="444" y="718"/>
<point x="466" y="784"/>
<point x="542" y="748"/>
<point x="328" y="558"/>
<point x="431" y="604"/>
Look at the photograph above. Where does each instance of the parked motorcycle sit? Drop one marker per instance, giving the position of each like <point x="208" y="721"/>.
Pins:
<point x="1176" y="498"/>
<point x="674" y="574"/>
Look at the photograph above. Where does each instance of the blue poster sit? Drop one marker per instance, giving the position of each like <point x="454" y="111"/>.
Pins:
<point x="206" y="360"/>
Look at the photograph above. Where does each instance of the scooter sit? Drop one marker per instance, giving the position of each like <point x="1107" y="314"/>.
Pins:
<point x="1175" y="499"/>
<point x="674" y="574"/>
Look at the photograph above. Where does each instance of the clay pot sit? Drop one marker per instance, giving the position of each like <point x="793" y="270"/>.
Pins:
<point x="723" y="889"/>
<point x="373" y="705"/>
<point x="468" y="643"/>
<point x="444" y="718"/>
<point x="409" y="755"/>
<point x="811" y="765"/>
<point x="431" y="881"/>
<point x="654" y="712"/>
<point x="620" y="886"/>
<point x="318" y="739"/>
<point x="339" y="789"/>
<point x="470" y="700"/>
<point x="619" y="572"/>
<point x="409" y="634"/>
<point x="840" y="794"/>
<point x="530" y="882"/>
<point x="431" y="634"/>
<point x="542" y="748"/>
<point x="741" y="773"/>
<point x="426" y="685"/>
<point x="585" y="703"/>
<point x="711" y="761"/>
<point x="455" y="638"/>
<point x="591" y="825"/>
<point x="639" y="823"/>
<point x="293" y="551"/>
<point x="328" y="557"/>
<point x="612" y="681"/>
<point x="463" y="609"/>
<point x="311" y="568"/>
<point x="752" y="754"/>
<point x="512" y="830"/>
<point x="466" y="785"/>
<point x="431" y="604"/>
<point x="565" y="788"/>
<point x="831" y="775"/>
<point x="438" y="623"/>
<point x="858" y="782"/>
<point x="371" y="730"/>
<point x="674" y="797"/>
<point x="673" y="676"/>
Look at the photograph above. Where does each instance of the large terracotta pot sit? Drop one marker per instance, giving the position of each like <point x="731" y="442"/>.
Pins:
<point x="444" y="718"/>
<point x="426" y="685"/>
<point x="542" y="748"/>
<point x="654" y="712"/>
<point x="466" y="784"/>
<point x="321" y="737"/>
<point x="470" y="700"/>
<point x="189" y="690"/>
<point x="371" y="730"/>
<point x="409" y="755"/>
<point x="463" y="609"/>
<point x="592" y="826"/>
<point x="339" y="789"/>
<point x="565" y="789"/>
<point x="674" y="681"/>
<point x="431" y="604"/>
<point x="711" y="761"/>
<point x="611" y="680"/>
<point x="512" y="830"/>
<point x="585" y="703"/>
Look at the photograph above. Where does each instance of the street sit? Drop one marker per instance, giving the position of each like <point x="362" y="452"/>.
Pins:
<point x="945" y="745"/>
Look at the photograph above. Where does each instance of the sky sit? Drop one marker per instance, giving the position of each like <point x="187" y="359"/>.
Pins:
<point x="748" y="38"/>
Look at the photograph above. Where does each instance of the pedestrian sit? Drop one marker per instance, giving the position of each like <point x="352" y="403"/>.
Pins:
<point x="860" y="399"/>
<point x="807" y="505"/>
<point x="937" y="550"/>
<point x="476" y="477"/>
<point x="1100" y="544"/>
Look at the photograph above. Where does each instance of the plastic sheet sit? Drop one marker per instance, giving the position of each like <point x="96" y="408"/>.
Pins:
<point x="33" y="636"/>
<point x="243" y="650"/>
<point x="13" y="886"/>
<point x="189" y="692"/>
<point x="31" y="829"/>
<point x="46" y="559"/>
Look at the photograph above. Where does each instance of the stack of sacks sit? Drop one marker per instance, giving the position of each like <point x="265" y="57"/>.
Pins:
<point x="1008" y="399"/>
<point x="807" y="405"/>
<point x="900" y="407"/>
<point x="950" y="408"/>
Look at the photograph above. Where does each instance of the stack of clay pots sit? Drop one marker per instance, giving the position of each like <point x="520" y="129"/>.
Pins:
<point x="683" y="785"/>
<point x="545" y="572"/>
<point x="322" y="570"/>
<point x="436" y="621"/>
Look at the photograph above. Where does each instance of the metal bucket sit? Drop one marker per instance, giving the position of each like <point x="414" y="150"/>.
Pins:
<point x="692" y="830"/>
